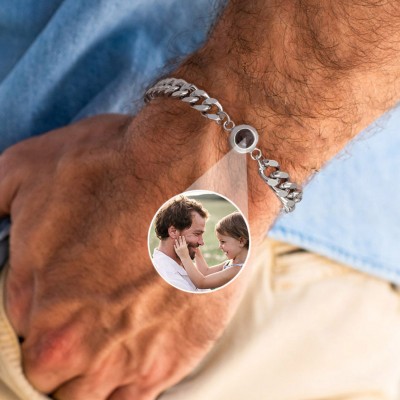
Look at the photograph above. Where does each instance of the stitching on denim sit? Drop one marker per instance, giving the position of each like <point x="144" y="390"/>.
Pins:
<point x="352" y="258"/>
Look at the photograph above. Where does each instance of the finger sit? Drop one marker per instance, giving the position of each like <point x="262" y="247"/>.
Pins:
<point x="18" y="294"/>
<point x="53" y="356"/>
<point x="131" y="392"/>
<point x="11" y="176"/>
<point x="93" y="387"/>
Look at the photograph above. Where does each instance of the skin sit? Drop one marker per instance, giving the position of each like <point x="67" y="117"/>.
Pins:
<point x="209" y="281"/>
<point x="234" y="248"/>
<point x="202" y="266"/>
<point x="94" y="315"/>
<point x="193" y="236"/>
<point x="97" y="320"/>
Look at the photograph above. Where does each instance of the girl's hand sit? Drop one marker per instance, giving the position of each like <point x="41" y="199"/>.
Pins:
<point x="181" y="247"/>
<point x="198" y="252"/>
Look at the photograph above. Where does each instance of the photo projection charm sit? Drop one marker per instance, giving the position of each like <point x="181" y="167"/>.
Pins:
<point x="243" y="139"/>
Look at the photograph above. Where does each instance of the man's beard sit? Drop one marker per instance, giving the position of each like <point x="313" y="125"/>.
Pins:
<point x="192" y="253"/>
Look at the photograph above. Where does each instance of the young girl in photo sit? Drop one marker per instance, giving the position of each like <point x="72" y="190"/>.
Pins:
<point x="233" y="238"/>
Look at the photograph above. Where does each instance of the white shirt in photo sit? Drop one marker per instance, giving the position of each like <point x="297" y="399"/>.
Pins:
<point x="173" y="273"/>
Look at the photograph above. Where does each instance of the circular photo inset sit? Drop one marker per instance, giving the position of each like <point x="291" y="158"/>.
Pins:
<point x="199" y="241"/>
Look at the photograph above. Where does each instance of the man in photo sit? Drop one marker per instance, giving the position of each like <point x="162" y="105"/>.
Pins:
<point x="185" y="217"/>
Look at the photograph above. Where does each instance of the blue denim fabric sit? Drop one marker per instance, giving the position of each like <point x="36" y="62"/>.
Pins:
<point x="64" y="60"/>
<point x="4" y="236"/>
<point x="350" y="209"/>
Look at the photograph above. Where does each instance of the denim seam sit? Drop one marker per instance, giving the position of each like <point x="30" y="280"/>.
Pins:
<point x="352" y="258"/>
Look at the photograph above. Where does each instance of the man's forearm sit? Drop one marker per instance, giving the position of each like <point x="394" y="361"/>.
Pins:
<point x="309" y="76"/>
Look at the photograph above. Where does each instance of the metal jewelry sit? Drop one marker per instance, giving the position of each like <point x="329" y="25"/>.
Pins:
<point x="243" y="138"/>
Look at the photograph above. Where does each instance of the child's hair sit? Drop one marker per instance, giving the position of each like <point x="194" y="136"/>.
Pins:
<point x="235" y="226"/>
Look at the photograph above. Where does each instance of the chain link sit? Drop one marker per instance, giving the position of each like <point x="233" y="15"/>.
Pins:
<point x="269" y="170"/>
<point x="188" y="93"/>
<point x="228" y="125"/>
<point x="256" y="154"/>
<point x="288" y="192"/>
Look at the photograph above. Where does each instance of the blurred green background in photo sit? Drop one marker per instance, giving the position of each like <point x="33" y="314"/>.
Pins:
<point x="217" y="207"/>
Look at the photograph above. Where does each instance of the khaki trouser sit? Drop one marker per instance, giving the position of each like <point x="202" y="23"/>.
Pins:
<point x="308" y="328"/>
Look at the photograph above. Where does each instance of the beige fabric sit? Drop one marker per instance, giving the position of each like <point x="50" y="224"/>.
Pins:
<point x="13" y="385"/>
<point x="307" y="329"/>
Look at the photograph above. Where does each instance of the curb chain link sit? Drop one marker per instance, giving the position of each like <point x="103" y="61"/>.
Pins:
<point x="288" y="192"/>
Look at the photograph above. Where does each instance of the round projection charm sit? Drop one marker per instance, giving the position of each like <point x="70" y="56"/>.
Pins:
<point x="243" y="138"/>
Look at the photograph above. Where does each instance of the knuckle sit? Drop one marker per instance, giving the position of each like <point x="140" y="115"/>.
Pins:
<point x="16" y="161"/>
<point x="18" y="153"/>
<point x="9" y="159"/>
<point x="55" y="356"/>
<point x="46" y="353"/>
<point x="52" y="349"/>
<point x="12" y="173"/>
<point x="130" y="392"/>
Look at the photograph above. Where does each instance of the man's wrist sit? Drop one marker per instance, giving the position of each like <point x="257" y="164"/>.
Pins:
<point x="169" y="146"/>
<point x="282" y="137"/>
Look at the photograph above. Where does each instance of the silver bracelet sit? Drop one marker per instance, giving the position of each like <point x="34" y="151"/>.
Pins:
<point x="243" y="138"/>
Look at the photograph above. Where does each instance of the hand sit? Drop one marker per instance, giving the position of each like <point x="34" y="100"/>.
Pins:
<point x="181" y="247"/>
<point x="198" y="252"/>
<point x="81" y="290"/>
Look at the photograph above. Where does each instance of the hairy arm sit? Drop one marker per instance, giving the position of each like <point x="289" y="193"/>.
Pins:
<point x="308" y="75"/>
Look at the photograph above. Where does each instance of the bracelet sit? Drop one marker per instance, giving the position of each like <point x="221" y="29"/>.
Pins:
<point x="243" y="138"/>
